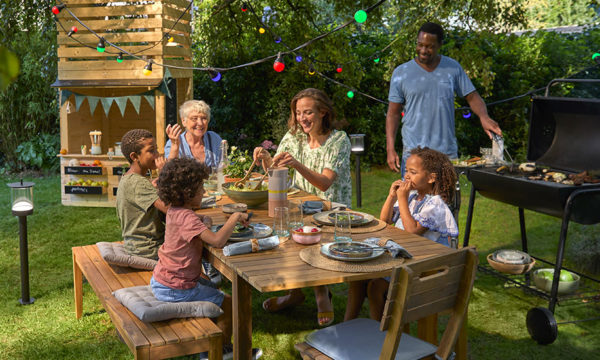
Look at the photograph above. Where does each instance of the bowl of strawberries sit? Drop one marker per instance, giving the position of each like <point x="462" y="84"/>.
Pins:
<point x="307" y="235"/>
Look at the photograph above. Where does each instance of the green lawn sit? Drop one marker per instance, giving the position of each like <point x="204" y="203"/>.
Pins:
<point x="48" y="329"/>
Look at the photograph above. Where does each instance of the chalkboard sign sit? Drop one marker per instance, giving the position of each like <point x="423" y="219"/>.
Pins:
<point x="120" y="170"/>
<point x="83" y="170"/>
<point x="83" y="190"/>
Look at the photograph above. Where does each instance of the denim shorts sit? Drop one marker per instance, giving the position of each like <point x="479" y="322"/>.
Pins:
<point x="201" y="292"/>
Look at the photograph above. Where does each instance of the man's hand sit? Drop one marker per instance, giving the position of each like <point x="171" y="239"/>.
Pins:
<point x="490" y="126"/>
<point x="393" y="160"/>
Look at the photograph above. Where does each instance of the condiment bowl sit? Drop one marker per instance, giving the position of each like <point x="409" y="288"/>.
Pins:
<point x="306" y="235"/>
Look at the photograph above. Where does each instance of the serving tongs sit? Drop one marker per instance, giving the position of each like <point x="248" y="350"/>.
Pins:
<point x="240" y="183"/>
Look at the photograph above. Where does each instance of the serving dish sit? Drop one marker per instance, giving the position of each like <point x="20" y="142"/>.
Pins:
<point x="258" y="231"/>
<point x="307" y="235"/>
<point x="511" y="257"/>
<point x="235" y="207"/>
<point x="542" y="278"/>
<point x="368" y="251"/>
<point x="251" y="198"/>
<point x="359" y="219"/>
<point x="515" y="269"/>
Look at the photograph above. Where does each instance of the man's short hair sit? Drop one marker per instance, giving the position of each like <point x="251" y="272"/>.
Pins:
<point x="434" y="29"/>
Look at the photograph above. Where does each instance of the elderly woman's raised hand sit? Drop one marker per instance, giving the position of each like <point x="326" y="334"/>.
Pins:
<point x="173" y="132"/>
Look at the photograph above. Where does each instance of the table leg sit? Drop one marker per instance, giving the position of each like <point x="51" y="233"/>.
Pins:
<point x="242" y="318"/>
<point x="77" y="288"/>
<point x="461" y="349"/>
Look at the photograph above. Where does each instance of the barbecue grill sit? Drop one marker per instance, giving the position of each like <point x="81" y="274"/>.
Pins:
<point x="564" y="135"/>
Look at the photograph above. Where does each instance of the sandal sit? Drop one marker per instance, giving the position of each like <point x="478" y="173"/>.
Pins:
<point x="326" y="318"/>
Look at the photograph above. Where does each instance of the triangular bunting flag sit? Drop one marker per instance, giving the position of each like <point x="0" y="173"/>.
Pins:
<point x="78" y="100"/>
<point x="136" y="100"/>
<point x="64" y="96"/>
<point x="106" y="104"/>
<point x="93" y="102"/>
<point x="122" y="104"/>
<point x="150" y="100"/>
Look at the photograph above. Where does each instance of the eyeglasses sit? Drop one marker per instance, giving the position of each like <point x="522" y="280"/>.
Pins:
<point x="197" y="118"/>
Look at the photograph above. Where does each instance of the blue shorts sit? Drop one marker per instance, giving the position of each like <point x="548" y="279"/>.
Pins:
<point x="201" y="292"/>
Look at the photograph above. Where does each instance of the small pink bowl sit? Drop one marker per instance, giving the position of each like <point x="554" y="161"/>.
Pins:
<point x="307" y="236"/>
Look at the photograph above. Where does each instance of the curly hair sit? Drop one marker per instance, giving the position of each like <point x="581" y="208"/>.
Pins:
<point x="180" y="179"/>
<point x="324" y="103"/>
<point x="438" y="163"/>
<point x="132" y="142"/>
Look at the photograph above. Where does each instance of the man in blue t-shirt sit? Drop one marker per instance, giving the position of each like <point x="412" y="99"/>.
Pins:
<point x="424" y="87"/>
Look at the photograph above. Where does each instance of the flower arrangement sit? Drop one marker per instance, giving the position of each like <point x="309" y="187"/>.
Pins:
<point x="239" y="163"/>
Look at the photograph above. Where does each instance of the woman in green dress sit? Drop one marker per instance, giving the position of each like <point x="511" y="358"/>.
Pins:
<point x="320" y="156"/>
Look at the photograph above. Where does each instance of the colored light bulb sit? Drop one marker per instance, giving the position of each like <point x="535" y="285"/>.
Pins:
<point x="215" y="75"/>
<point x="596" y="57"/>
<point x="339" y="69"/>
<point x="376" y="60"/>
<point x="466" y="114"/>
<point x="311" y="70"/>
<point x="350" y="94"/>
<point x="298" y="58"/>
<point x="120" y="57"/>
<point x="56" y="9"/>
<point x="278" y="65"/>
<point x="261" y="30"/>
<point x="170" y="39"/>
<point x="101" y="46"/>
<point x="72" y="31"/>
<point x="148" y="69"/>
<point x="277" y="39"/>
<point x="244" y="7"/>
<point x="360" y="16"/>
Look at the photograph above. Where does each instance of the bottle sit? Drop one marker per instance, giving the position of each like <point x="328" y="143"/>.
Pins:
<point x="223" y="162"/>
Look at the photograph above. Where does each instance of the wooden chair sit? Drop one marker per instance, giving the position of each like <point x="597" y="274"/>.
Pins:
<point x="417" y="290"/>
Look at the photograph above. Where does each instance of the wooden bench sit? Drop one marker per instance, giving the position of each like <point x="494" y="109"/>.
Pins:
<point x="158" y="340"/>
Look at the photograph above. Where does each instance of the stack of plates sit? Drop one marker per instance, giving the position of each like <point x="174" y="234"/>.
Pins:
<point x="514" y="257"/>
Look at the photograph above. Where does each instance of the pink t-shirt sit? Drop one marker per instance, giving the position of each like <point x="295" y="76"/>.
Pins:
<point x="180" y="257"/>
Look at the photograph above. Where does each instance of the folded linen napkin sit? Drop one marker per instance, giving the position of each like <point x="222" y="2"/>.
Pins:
<point x="252" y="245"/>
<point x="209" y="201"/>
<point x="394" y="248"/>
<point x="312" y="207"/>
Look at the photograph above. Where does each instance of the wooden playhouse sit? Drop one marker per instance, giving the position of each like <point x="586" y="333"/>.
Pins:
<point x="99" y="93"/>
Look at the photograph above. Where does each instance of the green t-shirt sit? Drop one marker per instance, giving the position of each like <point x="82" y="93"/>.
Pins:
<point x="142" y="226"/>
<point x="334" y="155"/>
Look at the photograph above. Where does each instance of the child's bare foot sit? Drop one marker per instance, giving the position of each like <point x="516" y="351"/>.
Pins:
<point x="325" y="314"/>
<point x="293" y="298"/>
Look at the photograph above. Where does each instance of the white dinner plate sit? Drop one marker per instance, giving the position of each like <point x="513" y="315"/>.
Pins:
<point x="377" y="252"/>
<point x="260" y="231"/>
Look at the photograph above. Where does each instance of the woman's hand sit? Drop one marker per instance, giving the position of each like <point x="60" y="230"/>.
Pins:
<point x="261" y="154"/>
<point x="285" y="159"/>
<point x="173" y="132"/>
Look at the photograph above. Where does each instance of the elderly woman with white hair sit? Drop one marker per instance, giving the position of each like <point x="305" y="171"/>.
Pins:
<point x="196" y="141"/>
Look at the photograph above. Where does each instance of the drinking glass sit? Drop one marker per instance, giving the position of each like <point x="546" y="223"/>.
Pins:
<point x="281" y="222"/>
<point x="296" y="214"/>
<point x="210" y="184"/>
<point x="342" y="230"/>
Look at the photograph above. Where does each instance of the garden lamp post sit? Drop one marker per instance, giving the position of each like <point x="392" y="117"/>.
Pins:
<point x="21" y="197"/>
<point x="357" y="142"/>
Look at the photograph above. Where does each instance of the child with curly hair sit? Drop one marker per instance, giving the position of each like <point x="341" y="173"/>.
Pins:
<point x="178" y="275"/>
<point x="140" y="211"/>
<point x="419" y="205"/>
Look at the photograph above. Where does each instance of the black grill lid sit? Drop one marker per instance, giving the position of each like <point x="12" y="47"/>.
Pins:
<point x="564" y="133"/>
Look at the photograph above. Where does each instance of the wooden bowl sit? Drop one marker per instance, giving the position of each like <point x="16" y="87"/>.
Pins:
<point x="515" y="269"/>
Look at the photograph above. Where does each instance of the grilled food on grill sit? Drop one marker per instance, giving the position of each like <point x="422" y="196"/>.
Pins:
<point x="527" y="167"/>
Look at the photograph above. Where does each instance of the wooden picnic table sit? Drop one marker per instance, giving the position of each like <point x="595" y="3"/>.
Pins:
<point x="282" y="269"/>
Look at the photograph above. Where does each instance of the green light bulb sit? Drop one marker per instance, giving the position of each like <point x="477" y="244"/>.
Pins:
<point x="350" y="94"/>
<point x="360" y="16"/>
<point x="376" y="60"/>
<point x="595" y="56"/>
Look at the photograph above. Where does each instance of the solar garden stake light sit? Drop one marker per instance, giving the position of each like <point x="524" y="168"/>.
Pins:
<point x="21" y="196"/>
<point x="357" y="142"/>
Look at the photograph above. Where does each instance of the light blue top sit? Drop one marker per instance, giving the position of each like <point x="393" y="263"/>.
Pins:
<point x="212" y="148"/>
<point x="428" y="99"/>
<point x="432" y="213"/>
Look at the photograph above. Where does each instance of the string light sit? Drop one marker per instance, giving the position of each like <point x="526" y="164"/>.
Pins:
<point x="214" y="75"/>
<point x="376" y="60"/>
<point x="58" y="8"/>
<point x="244" y="7"/>
<point x="148" y="68"/>
<point x="261" y="30"/>
<point x="339" y="69"/>
<point x="278" y="65"/>
<point x="350" y="94"/>
<point x="311" y="70"/>
<point x="101" y="46"/>
<point x="277" y="39"/>
<point x="360" y="16"/>
<point x="298" y="58"/>
<point x="72" y="31"/>
<point x="596" y="57"/>
<point x="466" y="114"/>
<point x="120" y="58"/>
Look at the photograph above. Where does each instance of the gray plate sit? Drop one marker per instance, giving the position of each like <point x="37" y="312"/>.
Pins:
<point x="377" y="252"/>
<point x="260" y="231"/>
<point x="324" y="219"/>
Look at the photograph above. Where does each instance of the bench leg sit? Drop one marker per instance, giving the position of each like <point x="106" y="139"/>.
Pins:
<point x="462" y="347"/>
<point x="77" y="288"/>
<point x="242" y="318"/>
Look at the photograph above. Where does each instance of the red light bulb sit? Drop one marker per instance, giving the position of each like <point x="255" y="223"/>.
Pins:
<point x="57" y="8"/>
<point x="278" y="66"/>
<point x="73" y="31"/>
<point x="244" y="7"/>
<point x="339" y="69"/>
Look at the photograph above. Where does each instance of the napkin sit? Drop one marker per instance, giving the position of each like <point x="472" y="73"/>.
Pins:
<point x="252" y="245"/>
<point x="312" y="207"/>
<point x="209" y="201"/>
<point x="394" y="248"/>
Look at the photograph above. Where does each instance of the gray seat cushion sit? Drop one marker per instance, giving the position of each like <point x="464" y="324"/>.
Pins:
<point x="362" y="339"/>
<point x="142" y="303"/>
<point x="114" y="253"/>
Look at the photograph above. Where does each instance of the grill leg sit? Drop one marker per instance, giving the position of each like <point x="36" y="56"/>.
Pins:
<point x="560" y="252"/>
<point x="523" y="238"/>
<point x="469" y="216"/>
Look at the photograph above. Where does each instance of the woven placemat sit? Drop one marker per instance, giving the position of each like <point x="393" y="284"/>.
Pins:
<point x="374" y="225"/>
<point x="313" y="257"/>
